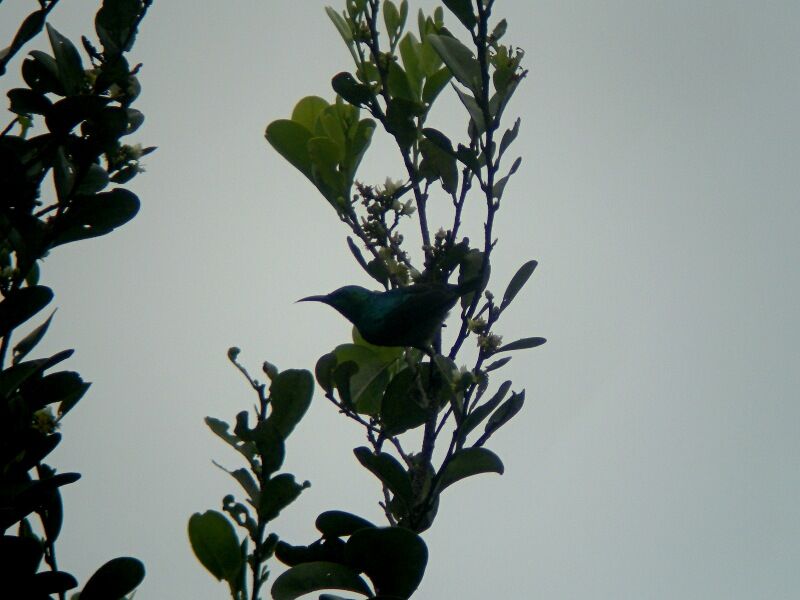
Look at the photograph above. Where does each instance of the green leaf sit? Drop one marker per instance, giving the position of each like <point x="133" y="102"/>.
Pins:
<point x="315" y="576"/>
<point x="459" y="59"/>
<point x="434" y="84"/>
<point x="469" y="462"/>
<point x="463" y="10"/>
<point x="216" y="545"/>
<point x="278" y="493"/>
<point x="394" y="558"/>
<point x="114" y="580"/>
<point x="21" y="304"/>
<point x="368" y="383"/>
<point x="307" y="110"/>
<point x="386" y="468"/>
<point x="341" y="25"/>
<point x="70" y="66"/>
<point x="391" y="18"/>
<point x="519" y="279"/>
<point x="399" y="85"/>
<point x="409" y="53"/>
<point x="28" y="343"/>
<point x="470" y="269"/>
<point x="337" y="523"/>
<point x="523" y="344"/>
<point x="358" y="94"/>
<point x="93" y="216"/>
<point x="400" y="121"/>
<point x="440" y="164"/>
<point x="474" y="110"/>
<point x="290" y="139"/>
<point x="400" y="408"/>
<point x="503" y="415"/>
<point x="290" y="396"/>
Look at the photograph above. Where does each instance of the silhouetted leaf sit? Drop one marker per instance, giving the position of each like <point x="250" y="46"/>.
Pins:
<point x="497" y="364"/>
<point x="400" y="408"/>
<point x="500" y="185"/>
<point x="40" y="72"/>
<point x="215" y="544"/>
<point x="523" y="344"/>
<point x="519" y="279"/>
<point x="51" y="582"/>
<point x="270" y="445"/>
<point x="21" y="304"/>
<point x="468" y="462"/>
<point x="220" y="428"/>
<point x="337" y="523"/>
<point x="394" y="558"/>
<point x="20" y="556"/>
<point x="92" y="216"/>
<point x="30" y="27"/>
<point x="323" y="371"/>
<point x="28" y="343"/>
<point x="509" y="136"/>
<point x="503" y="415"/>
<point x="290" y="397"/>
<point x="25" y="101"/>
<point x="470" y="269"/>
<point x="278" y="493"/>
<point x="70" y="66"/>
<point x="463" y="10"/>
<point x="477" y="416"/>
<point x="65" y="387"/>
<point x="386" y="468"/>
<point x="114" y="580"/>
<point x="315" y="576"/>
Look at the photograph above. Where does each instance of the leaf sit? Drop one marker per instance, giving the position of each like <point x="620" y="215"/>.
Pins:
<point x="400" y="121"/>
<point x="470" y="269"/>
<point x="469" y="462"/>
<point x="216" y="545"/>
<point x="337" y="523"/>
<point x="434" y="84"/>
<point x="30" y="27"/>
<point x="114" y="580"/>
<point x="463" y="10"/>
<point x="93" y="216"/>
<point x="25" y="101"/>
<point x="394" y="558"/>
<point x="439" y="165"/>
<point x="40" y="72"/>
<point x="323" y="371"/>
<point x="519" y="279"/>
<point x="477" y="416"/>
<point x="367" y="384"/>
<point x="505" y="413"/>
<point x="497" y="364"/>
<point x="66" y="387"/>
<point x="400" y="408"/>
<point x="290" y="139"/>
<point x="290" y="396"/>
<point x="28" y="343"/>
<point x="220" y="428"/>
<point x="399" y="85"/>
<point x="278" y="493"/>
<point x="409" y="52"/>
<point x="386" y="468"/>
<point x="270" y="445"/>
<point x="459" y="59"/>
<point x="474" y="110"/>
<point x="509" y="136"/>
<point x="341" y="25"/>
<point x="307" y="111"/>
<point x="70" y="67"/>
<point x="21" y="304"/>
<point x="500" y="185"/>
<point x="314" y="576"/>
<point x="391" y="18"/>
<point x="523" y="344"/>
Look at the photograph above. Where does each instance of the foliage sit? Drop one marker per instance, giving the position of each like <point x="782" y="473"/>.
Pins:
<point x="389" y="391"/>
<point x="65" y="133"/>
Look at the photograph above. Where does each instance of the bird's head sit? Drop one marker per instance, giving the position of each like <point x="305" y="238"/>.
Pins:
<point x="349" y="300"/>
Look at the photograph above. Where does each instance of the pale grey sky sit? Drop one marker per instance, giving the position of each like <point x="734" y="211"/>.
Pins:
<point x="657" y="455"/>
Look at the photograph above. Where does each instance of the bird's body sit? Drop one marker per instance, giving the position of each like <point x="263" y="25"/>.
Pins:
<point x="407" y="316"/>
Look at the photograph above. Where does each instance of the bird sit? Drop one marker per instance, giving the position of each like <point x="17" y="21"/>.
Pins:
<point x="405" y="316"/>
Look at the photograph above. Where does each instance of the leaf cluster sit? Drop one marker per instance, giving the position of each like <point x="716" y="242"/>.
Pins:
<point x="81" y="112"/>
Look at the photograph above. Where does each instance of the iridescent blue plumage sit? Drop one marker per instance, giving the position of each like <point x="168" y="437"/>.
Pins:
<point x="406" y="316"/>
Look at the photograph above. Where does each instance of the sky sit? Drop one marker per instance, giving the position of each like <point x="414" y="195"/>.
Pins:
<point x="657" y="453"/>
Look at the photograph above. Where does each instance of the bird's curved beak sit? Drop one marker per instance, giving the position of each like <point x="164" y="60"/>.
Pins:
<point x="312" y="299"/>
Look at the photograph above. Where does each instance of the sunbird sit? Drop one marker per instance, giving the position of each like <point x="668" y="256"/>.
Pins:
<point x="404" y="316"/>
